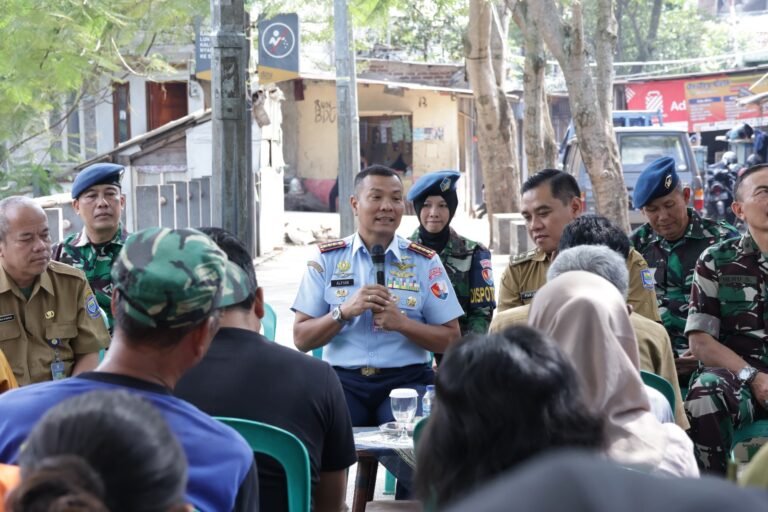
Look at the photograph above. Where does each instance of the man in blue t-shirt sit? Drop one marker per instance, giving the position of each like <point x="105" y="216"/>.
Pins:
<point x="169" y="286"/>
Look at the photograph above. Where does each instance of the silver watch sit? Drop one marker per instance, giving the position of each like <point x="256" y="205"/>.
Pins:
<point x="336" y="315"/>
<point x="746" y="375"/>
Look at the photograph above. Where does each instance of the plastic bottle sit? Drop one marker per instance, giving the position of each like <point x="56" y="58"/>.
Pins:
<point x="427" y="401"/>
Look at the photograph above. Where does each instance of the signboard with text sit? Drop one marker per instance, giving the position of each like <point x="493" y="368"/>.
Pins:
<point x="699" y="104"/>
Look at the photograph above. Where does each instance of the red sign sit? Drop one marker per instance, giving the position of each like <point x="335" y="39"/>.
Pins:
<point x="667" y="95"/>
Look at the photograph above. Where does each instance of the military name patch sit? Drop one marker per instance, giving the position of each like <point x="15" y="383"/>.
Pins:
<point x="342" y="282"/>
<point x="7" y="318"/>
<point x="647" y="278"/>
<point x="738" y="279"/>
<point x="435" y="272"/>
<point x="92" y="307"/>
<point x="527" y="295"/>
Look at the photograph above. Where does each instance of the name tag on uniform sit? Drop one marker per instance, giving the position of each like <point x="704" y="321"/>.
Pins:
<point x="57" y="370"/>
<point x="342" y="282"/>
<point x="527" y="295"/>
<point x="7" y="318"/>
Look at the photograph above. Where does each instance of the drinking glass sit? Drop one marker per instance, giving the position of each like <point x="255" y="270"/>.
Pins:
<point x="404" y="403"/>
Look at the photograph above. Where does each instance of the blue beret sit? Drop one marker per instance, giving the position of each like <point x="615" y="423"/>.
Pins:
<point x="434" y="184"/>
<point x="96" y="174"/>
<point x="657" y="180"/>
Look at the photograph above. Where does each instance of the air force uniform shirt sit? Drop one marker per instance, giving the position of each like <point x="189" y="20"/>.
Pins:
<point x="413" y="273"/>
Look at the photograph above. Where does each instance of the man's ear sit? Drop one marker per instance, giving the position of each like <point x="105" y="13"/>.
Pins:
<point x="737" y="209"/>
<point x="76" y="206"/>
<point x="113" y="301"/>
<point x="258" y="303"/>
<point x="686" y="194"/>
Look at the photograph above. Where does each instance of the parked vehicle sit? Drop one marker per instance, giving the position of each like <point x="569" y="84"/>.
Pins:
<point x="719" y="194"/>
<point x="638" y="147"/>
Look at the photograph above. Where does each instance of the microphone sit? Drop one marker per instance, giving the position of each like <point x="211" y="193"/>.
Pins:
<point x="377" y="255"/>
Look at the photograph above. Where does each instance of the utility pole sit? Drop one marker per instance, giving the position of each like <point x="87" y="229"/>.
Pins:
<point x="232" y="184"/>
<point x="346" y="110"/>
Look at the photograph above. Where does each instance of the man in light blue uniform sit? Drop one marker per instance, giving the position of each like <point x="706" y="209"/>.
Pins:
<point x="377" y="337"/>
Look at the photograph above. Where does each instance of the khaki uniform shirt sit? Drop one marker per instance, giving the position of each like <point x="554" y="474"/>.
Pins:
<point x="61" y="318"/>
<point x="527" y="272"/>
<point x="652" y="342"/>
<point x="7" y="379"/>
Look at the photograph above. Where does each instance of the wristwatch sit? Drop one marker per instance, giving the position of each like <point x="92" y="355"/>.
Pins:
<point x="336" y="315"/>
<point x="746" y="375"/>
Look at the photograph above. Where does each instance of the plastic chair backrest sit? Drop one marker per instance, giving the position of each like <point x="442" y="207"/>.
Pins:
<point x="269" y="322"/>
<point x="660" y="384"/>
<point x="284" y="447"/>
<point x="755" y="430"/>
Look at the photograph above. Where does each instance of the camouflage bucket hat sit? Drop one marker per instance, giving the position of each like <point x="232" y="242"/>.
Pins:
<point x="175" y="277"/>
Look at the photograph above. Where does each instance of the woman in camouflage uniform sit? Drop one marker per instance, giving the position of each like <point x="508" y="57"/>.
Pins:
<point x="467" y="263"/>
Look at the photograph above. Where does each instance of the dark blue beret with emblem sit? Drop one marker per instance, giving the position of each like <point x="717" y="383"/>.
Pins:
<point x="436" y="183"/>
<point x="97" y="174"/>
<point x="657" y="180"/>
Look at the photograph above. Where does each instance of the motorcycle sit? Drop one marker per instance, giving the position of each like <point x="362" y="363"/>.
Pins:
<point x="719" y="195"/>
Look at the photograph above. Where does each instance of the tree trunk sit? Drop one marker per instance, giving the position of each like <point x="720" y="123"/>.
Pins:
<point x="496" y="131"/>
<point x="540" y="144"/>
<point x="590" y="97"/>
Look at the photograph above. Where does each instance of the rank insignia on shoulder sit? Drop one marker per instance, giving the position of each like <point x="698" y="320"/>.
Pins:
<point x="332" y="245"/>
<point x="420" y="249"/>
<point x="522" y="257"/>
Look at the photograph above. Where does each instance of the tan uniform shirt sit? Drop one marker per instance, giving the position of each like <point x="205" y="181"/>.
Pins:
<point x="60" y="318"/>
<point x="527" y="272"/>
<point x="7" y="379"/>
<point x="652" y="342"/>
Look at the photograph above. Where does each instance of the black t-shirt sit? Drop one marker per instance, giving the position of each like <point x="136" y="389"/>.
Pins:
<point x="246" y="376"/>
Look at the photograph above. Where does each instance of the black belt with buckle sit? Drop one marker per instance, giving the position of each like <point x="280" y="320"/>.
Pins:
<point x="369" y="371"/>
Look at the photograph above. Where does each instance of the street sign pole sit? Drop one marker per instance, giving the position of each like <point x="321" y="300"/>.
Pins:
<point x="347" y="116"/>
<point x="232" y="184"/>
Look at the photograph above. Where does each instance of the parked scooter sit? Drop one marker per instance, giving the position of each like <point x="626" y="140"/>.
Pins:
<point x="720" y="181"/>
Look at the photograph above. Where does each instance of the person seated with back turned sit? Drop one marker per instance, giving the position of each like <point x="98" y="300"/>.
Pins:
<point x="587" y="317"/>
<point x="653" y="342"/>
<point x="550" y="200"/>
<point x="300" y="394"/>
<point x="50" y="322"/>
<point x="103" y="451"/>
<point x="169" y="285"/>
<point x="500" y="399"/>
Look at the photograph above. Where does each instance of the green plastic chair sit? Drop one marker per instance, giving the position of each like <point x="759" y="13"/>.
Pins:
<point x="660" y="384"/>
<point x="269" y="322"/>
<point x="284" y="447"/>
<point x="756" y="430"/>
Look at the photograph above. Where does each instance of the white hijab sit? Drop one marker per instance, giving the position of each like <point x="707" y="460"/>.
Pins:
<point x="587" y="317"/>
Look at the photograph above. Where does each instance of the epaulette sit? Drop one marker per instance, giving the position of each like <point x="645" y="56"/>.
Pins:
<point x="522" y="257"/>
<point x="420" y="249"/>
<point x="332" y="245"/>
<point x="63" y="268"/>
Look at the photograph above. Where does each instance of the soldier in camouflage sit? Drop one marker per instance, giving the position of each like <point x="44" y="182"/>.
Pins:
<point x="726" y="329"/>
<point x="98" y="200"/>
<point x="467" y="263"/>
<point x="671" y="241"/>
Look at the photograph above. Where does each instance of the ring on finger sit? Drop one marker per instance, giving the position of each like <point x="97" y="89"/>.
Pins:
<point x="370" y="298"/>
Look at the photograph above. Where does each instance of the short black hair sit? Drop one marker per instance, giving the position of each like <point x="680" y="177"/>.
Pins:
<point x="375" y="170"/>
<point x="745" y="175"/>
<point x="594" y="230"/>
<point x="562" y="185"/>
<point x="239" y="255"/>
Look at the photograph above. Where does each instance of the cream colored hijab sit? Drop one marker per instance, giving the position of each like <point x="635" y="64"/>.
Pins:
<point x="587" y="317"/>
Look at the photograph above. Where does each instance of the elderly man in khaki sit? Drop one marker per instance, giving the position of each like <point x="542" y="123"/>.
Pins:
<point x="50" y="322"/>
<point x="655" y="350"/>
<point x="551" y="199"/>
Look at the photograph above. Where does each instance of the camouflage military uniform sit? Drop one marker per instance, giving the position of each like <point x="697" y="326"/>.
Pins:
<point x="728" y="303"/>
<point x="672" y="264"/>
<point x="468" y="265"/>
<point x="95" y="261"/>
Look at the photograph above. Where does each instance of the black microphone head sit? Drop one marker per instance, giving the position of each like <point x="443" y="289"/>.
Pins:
<point x="377" y="254"/>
